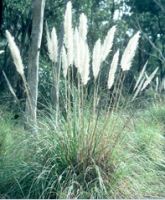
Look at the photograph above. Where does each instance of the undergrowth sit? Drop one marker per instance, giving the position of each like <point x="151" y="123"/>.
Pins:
<point x="67" y="162"/>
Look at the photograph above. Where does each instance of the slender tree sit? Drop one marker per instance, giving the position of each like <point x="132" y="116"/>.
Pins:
<point x="38" y="7"/>
<point x="1" y="14"/>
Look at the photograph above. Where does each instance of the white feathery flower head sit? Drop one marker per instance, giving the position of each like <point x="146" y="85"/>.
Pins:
<point x="67" y="22"/>
<point x="77" y="56"/>
<point x="64" y="62"/>
<point x="70" y="53"/>
<point x="140" y="76"/>
<point x="15" y="53"/>
<point x="139" y="88"/>
<point x="113" y="69"/>
<point x="68" y="32"/>
<point x="149" y="79"/>
<point x="85" y="65"/>
<point x="48" y="38"/>
<point x="96" y="58"/>
<point x="108" y="42"/>
<point x="146" y="75"/>
<point x="83" y="26"/>
<point x="52" y="43"/>
<point x="157" y="84"/>
<point x="129" y="52"/>
<point x="82" y="55"/>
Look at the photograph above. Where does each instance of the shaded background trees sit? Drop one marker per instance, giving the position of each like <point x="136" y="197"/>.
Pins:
<point x="148" y="16"/>
<point x="129" y="15"/>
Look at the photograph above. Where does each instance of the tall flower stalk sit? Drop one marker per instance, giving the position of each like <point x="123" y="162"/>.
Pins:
<point x="126" y="63"/>
<point x="15" y="53"/>
<point x="52" y="43"/>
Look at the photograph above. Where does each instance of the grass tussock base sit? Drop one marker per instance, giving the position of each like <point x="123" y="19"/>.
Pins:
<point x="121" y="160"/>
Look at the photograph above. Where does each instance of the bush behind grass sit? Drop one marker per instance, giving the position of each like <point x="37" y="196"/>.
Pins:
<point x="123" y="160"/>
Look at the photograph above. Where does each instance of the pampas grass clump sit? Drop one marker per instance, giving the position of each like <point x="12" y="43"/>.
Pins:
<point x="83" y="151"/>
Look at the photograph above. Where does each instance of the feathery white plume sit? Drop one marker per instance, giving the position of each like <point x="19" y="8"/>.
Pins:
<point x="113" y="69"/>
<point x="68" y="32"/>
<point x="64" y="62"/>
<point x="157" y="84"/>
<point x="82" y="55"/>
<point x="52" y="43"/>
<point x="138" y="88"/>
<point x="85" y="64"/>
<point x="140" y="76"/>
<point x="129" y="52"/>
<point x="149" y="79"/>
<point x="108" y="42"/>
<point x="83" y="26"/>
<point x="77" y="49"/>
<point x="146" y="75"/>
<point x="48" y="38"/>
<point x="15" y="53"/>
<point x="96" y="58"/>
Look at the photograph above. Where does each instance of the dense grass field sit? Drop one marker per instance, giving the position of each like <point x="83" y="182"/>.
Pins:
<point x="124" y="159"/>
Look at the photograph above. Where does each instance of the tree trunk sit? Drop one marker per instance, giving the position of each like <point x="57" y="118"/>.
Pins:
<point x="1" y="15"/>
<point x="38" y="7"/>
